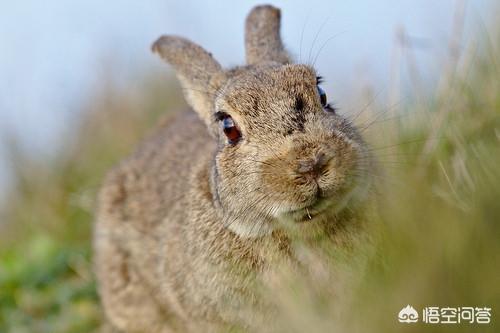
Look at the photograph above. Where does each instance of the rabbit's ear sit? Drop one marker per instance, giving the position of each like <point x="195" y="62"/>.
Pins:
<point x="200" y="74"/>
<point x="262" y="36"/>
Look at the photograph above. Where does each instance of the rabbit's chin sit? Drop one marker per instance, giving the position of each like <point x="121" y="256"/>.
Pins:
<point x="251" y="229"/>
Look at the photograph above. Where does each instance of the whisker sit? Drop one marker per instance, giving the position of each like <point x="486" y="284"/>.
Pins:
<point x="302" y="33"/>
<point x="364" y="128"/>
<point x="324" y="44"/>
<point x="402" y="144"/>
<point x="380" y="114"/>
<point x="315" y="38"/>
<point x="372" y="100"/>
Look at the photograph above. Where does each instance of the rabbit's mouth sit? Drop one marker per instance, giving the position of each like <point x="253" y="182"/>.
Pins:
<point x="309" y="213"/>
<point x="323" y="207"/>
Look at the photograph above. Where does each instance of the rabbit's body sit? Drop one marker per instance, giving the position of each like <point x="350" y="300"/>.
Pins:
<point x="184" y="278"/>
<point x="189" y="221"/>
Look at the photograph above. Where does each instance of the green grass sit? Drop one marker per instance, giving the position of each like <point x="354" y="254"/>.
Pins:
<point x="437" y="227"/>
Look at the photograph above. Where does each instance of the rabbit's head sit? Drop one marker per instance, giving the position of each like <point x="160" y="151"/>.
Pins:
<point x="283" y="153"/>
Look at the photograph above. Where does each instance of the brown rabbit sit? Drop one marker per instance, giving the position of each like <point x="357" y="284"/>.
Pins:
<point x="210" y="200"/>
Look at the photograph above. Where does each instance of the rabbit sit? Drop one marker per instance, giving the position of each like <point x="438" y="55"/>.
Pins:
<point x="214" y="196"/>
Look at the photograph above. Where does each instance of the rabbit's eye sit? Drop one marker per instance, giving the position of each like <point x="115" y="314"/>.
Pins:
<point x="232" y="132"/>
<point x="322" y="97"/>
<point x="324" y="101"/>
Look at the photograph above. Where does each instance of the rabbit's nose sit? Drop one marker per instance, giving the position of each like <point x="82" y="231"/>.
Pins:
<point x="313" y="166"/>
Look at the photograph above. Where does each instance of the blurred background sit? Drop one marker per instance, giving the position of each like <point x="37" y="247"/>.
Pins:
<point x="79" y="87"/>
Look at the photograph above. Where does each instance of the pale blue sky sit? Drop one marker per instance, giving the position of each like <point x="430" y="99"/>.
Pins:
<point x="52" y="52"/>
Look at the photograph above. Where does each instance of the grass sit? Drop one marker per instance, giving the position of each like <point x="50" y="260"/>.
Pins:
<point x="437" y="227"/>
<point x="46" y="279"/>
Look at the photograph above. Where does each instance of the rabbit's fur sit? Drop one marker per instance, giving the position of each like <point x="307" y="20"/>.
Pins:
<point x="187" y="222"/>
